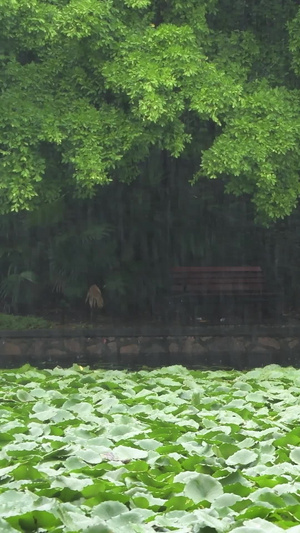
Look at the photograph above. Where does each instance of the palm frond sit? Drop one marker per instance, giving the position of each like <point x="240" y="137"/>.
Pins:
<point x="96" y="232"/>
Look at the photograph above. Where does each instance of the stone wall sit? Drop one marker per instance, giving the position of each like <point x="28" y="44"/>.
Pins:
<point x="202" y="346"/>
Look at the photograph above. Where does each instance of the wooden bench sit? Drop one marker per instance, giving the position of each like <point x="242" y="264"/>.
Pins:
<point x="240" y="283"/>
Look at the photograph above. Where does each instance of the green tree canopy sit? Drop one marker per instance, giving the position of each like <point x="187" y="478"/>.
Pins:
<point x="88" y="87"/>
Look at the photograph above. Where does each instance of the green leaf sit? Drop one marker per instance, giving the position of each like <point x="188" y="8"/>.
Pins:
<point x="252" y="526"/>
<point x="203" y="487"/>
<point x="295" y="455"/>
<point x="89" y="456"/>
<point x="6" y="527"/>
<point x="109" y="509"/>
<point x="35" y="519"/>
<point x="125" y="453"/>
<point x="26" y="471"/>
<point x="242" y="457"/>
<point x="226" y="500"/>
<point x="23" y="396"/>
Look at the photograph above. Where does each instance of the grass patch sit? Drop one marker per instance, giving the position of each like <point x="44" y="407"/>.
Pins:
<point x="17" y="322"/>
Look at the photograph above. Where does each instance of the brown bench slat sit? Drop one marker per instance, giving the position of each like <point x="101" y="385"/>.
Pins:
<point x="218" y="280"/>
<point x="217" y="269"/>
<point x="219" y="287"/>
<point x="236" y="281"/>
<point x="218" y="275"/>
<point x="222" y="288"/>
<point x="202" y="290"/>
<point x="216" y="283"/>
<point x="222" y="278"/>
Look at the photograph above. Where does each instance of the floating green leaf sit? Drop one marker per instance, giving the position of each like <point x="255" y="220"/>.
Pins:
<point x="203" y="487"/>
<point x="242" y="457"/>
<point x="295" y="455"/>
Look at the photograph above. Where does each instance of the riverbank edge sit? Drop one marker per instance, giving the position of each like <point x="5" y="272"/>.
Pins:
<point x="132" y="347"/>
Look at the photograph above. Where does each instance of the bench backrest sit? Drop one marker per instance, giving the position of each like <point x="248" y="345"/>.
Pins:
<point x="218" y="280"/>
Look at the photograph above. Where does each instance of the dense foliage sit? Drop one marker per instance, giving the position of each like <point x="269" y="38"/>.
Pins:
<point x="166" y="450"/>
<point x="88" y="87"/>
<point x="109" y="110"/>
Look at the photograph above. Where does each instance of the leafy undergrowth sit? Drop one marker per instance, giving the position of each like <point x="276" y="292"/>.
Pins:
<point x="166" y="450"/>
